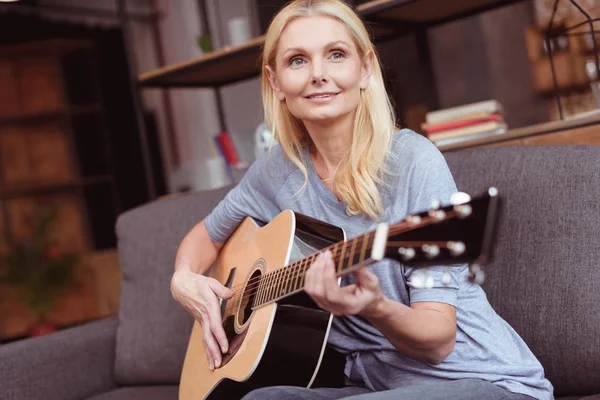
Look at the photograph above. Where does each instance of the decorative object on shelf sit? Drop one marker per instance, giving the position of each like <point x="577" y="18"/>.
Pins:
<point x="209" y="174"/>
<point x="39" y="269"/>
<point x="204" y="42"/>
<point x="263" y="138"/>
<point x="572" y="30"/>
<point x="464" y="123"/>
<point x="239" y="31"/>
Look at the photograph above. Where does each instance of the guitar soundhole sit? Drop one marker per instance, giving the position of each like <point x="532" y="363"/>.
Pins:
<point x="247" y="301"/>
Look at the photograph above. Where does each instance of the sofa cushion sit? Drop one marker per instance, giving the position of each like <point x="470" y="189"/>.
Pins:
<point x="141" y="393"/>
<point x="154" y="329"/>
<point x="545" y="277"/>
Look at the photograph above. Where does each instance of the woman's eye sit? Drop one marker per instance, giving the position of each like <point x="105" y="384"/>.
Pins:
<point x="336" y="55"/>
<point x="296" y="61"/>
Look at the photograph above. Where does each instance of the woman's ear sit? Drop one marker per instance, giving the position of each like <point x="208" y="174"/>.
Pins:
<point x="274" y="82"/>
<point x="366" y="70"/>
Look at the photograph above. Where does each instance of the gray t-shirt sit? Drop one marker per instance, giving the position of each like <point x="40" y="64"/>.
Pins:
<point x="486" y="346"/>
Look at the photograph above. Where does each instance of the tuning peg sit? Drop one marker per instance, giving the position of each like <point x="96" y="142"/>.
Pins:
<point x="458" y="198"/>
<point x="463" y="210"/>
<point x="446" y="277"/>
<point x="421" y="281"/>
<point x="437" y="215"/>
<point x="476" y="274"/>
<point x="456" y="248"/>
<point x="435" y="204"/>
<point x="413" y="219"/>
<point x="431" y="250"/>
<point x="407" y="253"/>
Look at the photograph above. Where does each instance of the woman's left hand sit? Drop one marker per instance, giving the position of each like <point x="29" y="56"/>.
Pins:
<point x="361" y="298"/>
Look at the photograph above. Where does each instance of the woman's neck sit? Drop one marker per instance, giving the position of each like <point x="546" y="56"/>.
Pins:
<point x="331" y="146"/>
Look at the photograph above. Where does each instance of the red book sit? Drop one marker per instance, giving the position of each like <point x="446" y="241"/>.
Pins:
<point x="228" y="148"/>
<point x="460" y="123"/>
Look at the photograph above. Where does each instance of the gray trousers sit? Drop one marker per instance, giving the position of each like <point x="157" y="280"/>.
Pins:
<point x="464" y="389"/>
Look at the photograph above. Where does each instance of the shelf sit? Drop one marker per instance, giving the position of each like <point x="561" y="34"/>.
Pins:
<point x="22" y="190"/>
<point x="220" y="67"/>
<point x="46" y="114"/>
<point x="384" y="17"/>
<point x="575" y="122"/>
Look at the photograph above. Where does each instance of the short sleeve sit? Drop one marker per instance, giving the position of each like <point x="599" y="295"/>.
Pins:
<point x="432" y="180"/>
<point x="253" y="196"/>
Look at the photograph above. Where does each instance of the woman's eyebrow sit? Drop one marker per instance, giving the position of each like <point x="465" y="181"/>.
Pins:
<point x="330" y="44"/>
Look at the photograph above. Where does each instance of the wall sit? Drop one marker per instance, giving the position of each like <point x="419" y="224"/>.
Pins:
<point x="474" y="59"/>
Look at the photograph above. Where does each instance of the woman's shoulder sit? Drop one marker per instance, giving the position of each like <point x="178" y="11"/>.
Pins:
<point x="409" y="148"/>
<point x="273" y="166"/>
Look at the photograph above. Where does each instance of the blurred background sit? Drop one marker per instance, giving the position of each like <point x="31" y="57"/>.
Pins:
<point x="92" y="125"/>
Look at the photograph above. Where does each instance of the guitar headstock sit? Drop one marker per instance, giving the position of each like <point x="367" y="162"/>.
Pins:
<point x="463" y="232"/>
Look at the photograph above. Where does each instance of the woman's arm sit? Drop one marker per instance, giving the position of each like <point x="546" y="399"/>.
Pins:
<point x="197" y="251"/>
<point x="425" y="330"/>
<point x="197" y="293"/>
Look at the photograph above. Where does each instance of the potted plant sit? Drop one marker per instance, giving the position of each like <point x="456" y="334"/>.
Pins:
<point x="39" y="270"/>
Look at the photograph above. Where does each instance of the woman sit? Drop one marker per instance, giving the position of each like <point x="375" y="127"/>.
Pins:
<point x="340" y="159"/>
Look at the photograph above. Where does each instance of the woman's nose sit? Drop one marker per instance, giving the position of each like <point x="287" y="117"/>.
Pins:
<point x="318" y="74"/>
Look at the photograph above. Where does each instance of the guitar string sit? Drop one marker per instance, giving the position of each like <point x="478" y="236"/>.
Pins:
<point x="292" y="278"/>
<point x="393" y="231"/>
<point x="293" y="272"/>
<point x="296" y="270"/>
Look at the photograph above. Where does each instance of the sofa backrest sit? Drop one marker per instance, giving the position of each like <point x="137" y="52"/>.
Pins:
<point x="545" y="277"/>
<point x="154" y="329"/>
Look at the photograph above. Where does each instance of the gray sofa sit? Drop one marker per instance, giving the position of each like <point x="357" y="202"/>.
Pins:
<point x="545" y="280"/>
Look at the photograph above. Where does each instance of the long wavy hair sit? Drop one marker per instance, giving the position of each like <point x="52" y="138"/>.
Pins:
<point x="361" y="177"/>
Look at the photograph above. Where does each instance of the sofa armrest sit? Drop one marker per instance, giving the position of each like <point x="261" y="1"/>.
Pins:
<point x="75" y="363"/>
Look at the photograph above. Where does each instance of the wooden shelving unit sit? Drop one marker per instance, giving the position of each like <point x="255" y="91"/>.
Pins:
<point x="53" y="147"/>
<point x="386" y="19"/>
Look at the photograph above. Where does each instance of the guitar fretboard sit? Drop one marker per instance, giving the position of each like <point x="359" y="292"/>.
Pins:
<point x="290" y="279"/>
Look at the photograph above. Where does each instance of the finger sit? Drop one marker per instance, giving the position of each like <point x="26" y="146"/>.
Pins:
<point x="309" y="280"/>
<point x="219" y="289"/>
<point x="212" y="349"/>
<point x="318" y="275"/>
<point x="217" y="327"/>
<point x="366" y="279"/>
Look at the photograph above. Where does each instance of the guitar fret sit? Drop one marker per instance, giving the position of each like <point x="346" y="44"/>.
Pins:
<point x="341" y="256"/>
<point x="272" y="284"/>
<point x="364" y="247"/>
<point x="297" y="275"/>
<point x="280" y="274"/>
<point x="351" y="255"/>
<point x="286" y="279"/>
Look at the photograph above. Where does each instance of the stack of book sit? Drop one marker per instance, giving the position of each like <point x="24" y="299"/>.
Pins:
<point x="464" y="123"/>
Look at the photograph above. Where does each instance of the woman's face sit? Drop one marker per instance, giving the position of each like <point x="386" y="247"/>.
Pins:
<point x="318" y="70"/>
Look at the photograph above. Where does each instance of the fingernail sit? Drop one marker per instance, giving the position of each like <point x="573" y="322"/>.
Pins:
<point x="211" y="366"/>
<point x="223" y="350"/>
<point x="218" y="363"/>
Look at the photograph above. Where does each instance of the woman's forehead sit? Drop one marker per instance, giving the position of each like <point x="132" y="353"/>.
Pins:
<point x="314" y="31"/>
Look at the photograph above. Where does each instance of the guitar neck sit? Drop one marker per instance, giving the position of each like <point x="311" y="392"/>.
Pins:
<point x="283" y="282"/>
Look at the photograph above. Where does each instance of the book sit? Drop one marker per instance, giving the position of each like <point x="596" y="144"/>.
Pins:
<point x="468" y="130"/>
<point x="460" y="123"/>
<point x="466" y="138"/>
<point x="460" y="112"/>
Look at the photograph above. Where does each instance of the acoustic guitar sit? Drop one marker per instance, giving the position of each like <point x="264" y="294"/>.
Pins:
<point x="277" y="334"/>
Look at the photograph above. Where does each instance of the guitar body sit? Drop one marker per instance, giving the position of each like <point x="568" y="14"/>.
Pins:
<point x="281" y="343"/>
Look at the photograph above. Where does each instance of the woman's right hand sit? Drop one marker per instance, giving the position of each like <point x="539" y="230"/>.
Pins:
<point x="198" y="295"/>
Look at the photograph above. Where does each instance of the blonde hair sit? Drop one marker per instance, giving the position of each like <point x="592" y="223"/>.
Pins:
<point x="362" y="177"/>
